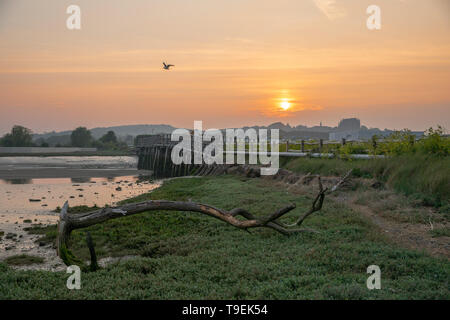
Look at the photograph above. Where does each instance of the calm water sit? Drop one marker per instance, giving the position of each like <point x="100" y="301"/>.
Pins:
<point x="24" y="195"/>
<point x="31" y="188"/>
<point x="91" y="162"/>
<point x="44" y="195"/>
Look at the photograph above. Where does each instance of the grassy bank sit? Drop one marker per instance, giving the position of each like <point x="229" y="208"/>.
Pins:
<point x="190" y="256"/>
<point x="423" y="177"/>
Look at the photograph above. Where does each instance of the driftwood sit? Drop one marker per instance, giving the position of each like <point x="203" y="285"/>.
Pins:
<point x="94" y="265"/>
<point x="69" y="222"/>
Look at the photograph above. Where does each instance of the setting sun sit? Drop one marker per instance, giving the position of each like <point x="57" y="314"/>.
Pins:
<point x="285" y="105"/>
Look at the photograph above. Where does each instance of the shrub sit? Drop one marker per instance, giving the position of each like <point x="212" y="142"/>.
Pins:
<point x="435" y="143"/>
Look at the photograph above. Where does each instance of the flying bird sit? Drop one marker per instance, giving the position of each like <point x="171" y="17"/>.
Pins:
<point x="167" y="66"/>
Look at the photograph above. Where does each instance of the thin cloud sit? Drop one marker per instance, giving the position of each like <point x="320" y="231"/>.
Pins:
<point x="295" y="110"/>
<point x="330" y="9"/>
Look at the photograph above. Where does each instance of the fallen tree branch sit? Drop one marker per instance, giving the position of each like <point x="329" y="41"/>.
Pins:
<point x="318" y="201"/>
<point x="69" y="222"/>
<point x="94" y="265"/>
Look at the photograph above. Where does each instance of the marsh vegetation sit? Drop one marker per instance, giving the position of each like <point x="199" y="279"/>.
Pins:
<point x="191" y="256"/>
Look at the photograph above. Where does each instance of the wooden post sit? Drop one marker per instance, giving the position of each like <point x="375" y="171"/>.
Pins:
<point x="320" y="145"/>
<point x="287" y="146"/>
<point x="303" y="145"/>
<point x="343" y="141"/>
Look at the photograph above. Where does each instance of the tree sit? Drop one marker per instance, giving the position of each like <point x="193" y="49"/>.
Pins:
<point x="69" y="222"/>
<point x="81" y="137"/>
<point x="19" y="137"/>
<point x="109" y="141"/>
<point x="109" y="137"/>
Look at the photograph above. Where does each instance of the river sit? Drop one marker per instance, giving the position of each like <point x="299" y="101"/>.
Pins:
<point x="31" y="188"/>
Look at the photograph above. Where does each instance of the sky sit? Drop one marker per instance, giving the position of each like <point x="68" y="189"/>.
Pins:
<point x="237" y="63"/>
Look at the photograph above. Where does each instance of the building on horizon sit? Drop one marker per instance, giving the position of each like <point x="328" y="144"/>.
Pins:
<point x="347" y="129"/>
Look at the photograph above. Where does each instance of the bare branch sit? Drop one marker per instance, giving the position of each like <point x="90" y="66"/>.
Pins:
<point x="341" y="181"/>
<point x="318" y="201"/>
<point x="69" y="222"/>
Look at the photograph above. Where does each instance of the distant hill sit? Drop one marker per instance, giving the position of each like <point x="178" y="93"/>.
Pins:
<point x="133" y="130"/>
<point x="127" y="133"/>
<point x="120" y="131"/>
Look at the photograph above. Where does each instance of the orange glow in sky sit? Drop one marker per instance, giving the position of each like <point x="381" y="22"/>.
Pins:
<point x="301" y="62"/>
<point x="285" y="105"/>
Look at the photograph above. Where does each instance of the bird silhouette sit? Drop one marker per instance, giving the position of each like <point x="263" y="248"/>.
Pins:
<point x="167" y="66"/>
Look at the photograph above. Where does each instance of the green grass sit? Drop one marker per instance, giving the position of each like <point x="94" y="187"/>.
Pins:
<point x="434" y="142"/>
<point x="192" y="256"/>
<point x="393" y="206"/>
<point x="419" y="176"/>
<point x="440" y="232"/>
<point x="23" y="260"/>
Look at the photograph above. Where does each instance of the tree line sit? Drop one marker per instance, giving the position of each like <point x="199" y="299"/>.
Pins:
<point x="81" y="137"/>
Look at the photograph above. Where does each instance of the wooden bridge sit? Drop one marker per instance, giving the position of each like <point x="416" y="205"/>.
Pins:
<point x="154" y="152"/>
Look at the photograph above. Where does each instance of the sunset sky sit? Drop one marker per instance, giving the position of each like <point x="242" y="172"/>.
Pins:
<point x="237" y="62"/>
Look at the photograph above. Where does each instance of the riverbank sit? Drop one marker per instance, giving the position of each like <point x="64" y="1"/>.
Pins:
<point x="31" y="188"/>
<point x="424" y="178"/>
<point x="27" y="209"/>
<point x="98" y="153"/>
<point x="182" y="255"/>
<point x="57" y="173"/>
<point x="75" y="167"/>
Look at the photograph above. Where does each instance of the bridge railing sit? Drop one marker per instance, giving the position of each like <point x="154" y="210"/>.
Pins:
<point x="143" y="141"/>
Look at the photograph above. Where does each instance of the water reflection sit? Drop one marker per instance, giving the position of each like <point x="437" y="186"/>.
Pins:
<point x="77" y="180"/>
<point x="15" y="181"/>
<point x="44" y="195"/>
<point x="80" y="180"/>
<point x="71" y="162"/>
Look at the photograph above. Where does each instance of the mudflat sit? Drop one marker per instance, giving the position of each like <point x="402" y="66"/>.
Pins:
<point x="36" y="173"/>
<point x="68" y="167"/>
